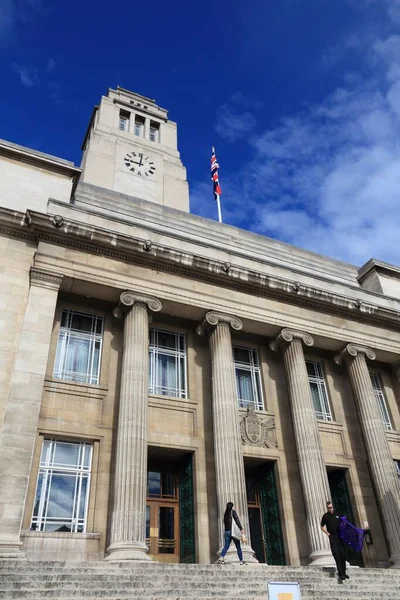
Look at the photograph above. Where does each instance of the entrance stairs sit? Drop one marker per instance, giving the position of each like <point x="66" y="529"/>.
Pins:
<point x="26" y="580"/>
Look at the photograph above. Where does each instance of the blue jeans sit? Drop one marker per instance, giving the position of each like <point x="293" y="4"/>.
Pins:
<point x="227" y="542"/>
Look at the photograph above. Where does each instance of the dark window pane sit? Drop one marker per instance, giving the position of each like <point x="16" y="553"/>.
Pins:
<point x="154" y="483"/>
<point x="310" y="369"/>
<point x="168" y="484"/>
<point x="166" y="340"/>
<point x="64" y="318"/>
<point x="147" y="522"/>
<point x="251" y="489"/>
<point x="59" y="526"/>
<point x="241" y="355"/>
<point x="82" y="322"/>
<point x="166" y="541"/>
<point x="99" y="326"/>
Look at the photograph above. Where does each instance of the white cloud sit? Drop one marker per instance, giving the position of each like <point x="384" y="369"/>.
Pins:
<point x="28" y="76"/>
<point x="233" y="120"/>
<point x="328" y="179"/>
<point x="13" y="13"/>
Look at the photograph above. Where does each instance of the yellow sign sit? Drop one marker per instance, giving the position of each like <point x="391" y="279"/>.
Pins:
<point x="285" y="596"/>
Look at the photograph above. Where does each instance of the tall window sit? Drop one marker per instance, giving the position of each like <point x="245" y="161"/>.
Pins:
<point x="167" y="363"/>
<point x="79" y="347"/>
<point x="248" y="381"/>
<point x="379" y="395"/>
<point x="318" y="390"/>
<point x="397" y="465"/>
<point x="62" y="490"/>
<point x="123" y="120"/>
<point x="139" y="126"/>
<point x="154" y="131"/>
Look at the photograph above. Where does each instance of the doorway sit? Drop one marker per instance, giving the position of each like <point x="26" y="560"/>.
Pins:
<point x="342" y="504"/>
<point x="264" y="514"/>
<point x="170" y="508"/>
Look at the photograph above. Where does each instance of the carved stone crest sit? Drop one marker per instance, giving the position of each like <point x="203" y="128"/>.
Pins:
<point x="257" y="430"/>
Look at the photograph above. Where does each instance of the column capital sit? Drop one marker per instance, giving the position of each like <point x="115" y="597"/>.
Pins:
<point x="212" y="319"/>
<point x="127" y="299"/>
<point x="288" y="335"/>
<point x="43" y="278"/>
<point x="351" y="351"/>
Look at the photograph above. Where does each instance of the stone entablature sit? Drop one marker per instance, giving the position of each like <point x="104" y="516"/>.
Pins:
<point x="130" y="248"/>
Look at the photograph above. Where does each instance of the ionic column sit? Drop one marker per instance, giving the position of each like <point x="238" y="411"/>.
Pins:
<point x="313" y="474"/>
<point x="382" y="468"/>
<point x="229" y="466"/>
<point x="18" y="433"/>
<point x="128" y="519"/>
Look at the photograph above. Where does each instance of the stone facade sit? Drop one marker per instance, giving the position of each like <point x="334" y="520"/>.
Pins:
<point x="152" y="385"/>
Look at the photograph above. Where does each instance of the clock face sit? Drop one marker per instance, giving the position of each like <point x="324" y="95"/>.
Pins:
<point x="139" y="164"/>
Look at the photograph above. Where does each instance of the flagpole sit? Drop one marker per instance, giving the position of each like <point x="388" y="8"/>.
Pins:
<point x="219" y="209"/>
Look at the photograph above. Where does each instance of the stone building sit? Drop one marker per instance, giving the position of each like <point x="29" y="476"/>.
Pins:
<point x="155" y="365"/>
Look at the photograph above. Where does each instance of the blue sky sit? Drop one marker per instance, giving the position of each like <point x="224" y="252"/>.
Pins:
<point x="301" y="99"/>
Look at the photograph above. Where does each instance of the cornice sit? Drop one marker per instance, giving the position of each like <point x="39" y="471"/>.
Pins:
<point x="67" y="232"/>
<point x="29" y="156"/>
<point x="46" y="279"/>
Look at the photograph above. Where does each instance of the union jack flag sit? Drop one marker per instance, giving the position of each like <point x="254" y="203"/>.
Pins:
<point x="214" y="175"/>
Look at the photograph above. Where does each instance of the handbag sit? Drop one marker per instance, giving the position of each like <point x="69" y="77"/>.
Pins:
<point x="235" y="531"/>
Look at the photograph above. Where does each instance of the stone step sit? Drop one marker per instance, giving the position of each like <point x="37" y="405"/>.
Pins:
<point x="107" y="589"/>
<point x="23" y="580"/>
<point x="221" y="595"/>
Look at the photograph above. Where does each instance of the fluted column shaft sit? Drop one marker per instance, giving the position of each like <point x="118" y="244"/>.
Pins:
<point x="382" y="468"/>
<point x="128" y="519"/>
<point x="229" y="466"/>
<point x="312" y="468"/>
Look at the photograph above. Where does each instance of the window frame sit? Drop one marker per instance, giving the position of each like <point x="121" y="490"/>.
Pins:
<point x="255" y="373"/>
<point x="154" y="387"/>
<point x="154" y="127"/>
<point x="123" y="117"/>
<point x="139" y="122"/>
<point x="381" y="400"/>
<point x="325" y="414"/>
<point x="48" y="468"/>
<point x="62" y="346"/>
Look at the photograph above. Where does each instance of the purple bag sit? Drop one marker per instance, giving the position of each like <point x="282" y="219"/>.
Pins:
<point x="351" y="535"/>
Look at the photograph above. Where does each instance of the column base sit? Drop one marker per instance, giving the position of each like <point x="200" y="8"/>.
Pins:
<point x="396" y="562"/>
<point x="322" y="558"/>
<point x="11" y="549"/>
<point x="128" y="551"/>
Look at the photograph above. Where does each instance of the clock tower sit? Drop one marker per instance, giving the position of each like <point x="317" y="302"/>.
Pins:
<point x="131" y="147"/>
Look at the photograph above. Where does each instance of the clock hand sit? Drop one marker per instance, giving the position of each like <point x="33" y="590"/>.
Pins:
<point x="141" y="160"/>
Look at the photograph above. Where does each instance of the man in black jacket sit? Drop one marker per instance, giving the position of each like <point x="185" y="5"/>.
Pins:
<point x="330" y="526"/>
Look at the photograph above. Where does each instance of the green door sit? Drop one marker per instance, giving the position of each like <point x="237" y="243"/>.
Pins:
<point x="270" y="514"/>
<point x="186" y="509"/>
<point x="342" y="505"/>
